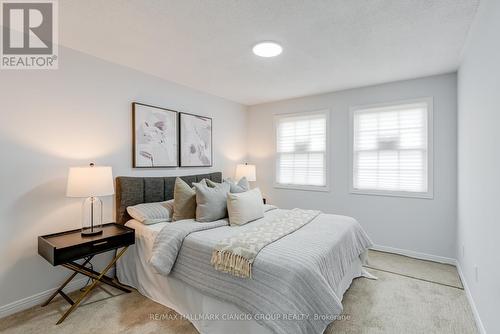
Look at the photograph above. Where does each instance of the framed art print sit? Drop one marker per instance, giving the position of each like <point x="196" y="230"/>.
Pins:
<point x="195" y="140"/>
<point x="155" y="136"/>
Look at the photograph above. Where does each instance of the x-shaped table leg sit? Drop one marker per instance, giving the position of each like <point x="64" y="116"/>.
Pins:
<point x="97" y="278"/>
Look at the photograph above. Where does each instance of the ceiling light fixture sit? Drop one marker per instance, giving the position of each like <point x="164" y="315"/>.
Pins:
<point x="267" y="49"/>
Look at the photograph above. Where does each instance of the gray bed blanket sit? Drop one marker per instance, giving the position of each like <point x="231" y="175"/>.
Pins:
<point x="169" y="241"/>
<point x="294" y="279"/>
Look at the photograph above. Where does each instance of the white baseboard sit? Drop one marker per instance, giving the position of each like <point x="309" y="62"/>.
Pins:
<point x="28" y="302"/>
<point x="440" y="259"/>
<point x="479" y="323"/>
<point x="37" y="299"/>
<point x="417" y="255"/>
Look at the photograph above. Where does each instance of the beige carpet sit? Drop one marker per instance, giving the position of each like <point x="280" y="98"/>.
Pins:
<point x="392" y="304"/>
<point x="426" y="270"/>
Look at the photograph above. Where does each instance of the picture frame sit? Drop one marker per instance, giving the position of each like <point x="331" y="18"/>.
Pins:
<point x="155" y="136"/>
<point x="195" y="140"/>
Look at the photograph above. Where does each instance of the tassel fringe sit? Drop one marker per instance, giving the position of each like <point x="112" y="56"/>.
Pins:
<point x="231" y="263"/>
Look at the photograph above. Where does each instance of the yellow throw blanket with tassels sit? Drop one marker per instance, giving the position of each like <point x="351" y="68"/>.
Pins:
<point x="235" y="255"/>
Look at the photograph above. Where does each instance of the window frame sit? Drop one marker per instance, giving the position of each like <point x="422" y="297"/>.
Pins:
<point x="429" y="194"/>
<point x="278" y="185"/>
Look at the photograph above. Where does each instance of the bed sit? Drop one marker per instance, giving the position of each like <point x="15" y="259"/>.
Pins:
<point x="293" y="289"/>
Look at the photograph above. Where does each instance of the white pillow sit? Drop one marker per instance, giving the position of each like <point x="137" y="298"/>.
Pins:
<point x="152" y="213"/>
<point x="245" y="207"/>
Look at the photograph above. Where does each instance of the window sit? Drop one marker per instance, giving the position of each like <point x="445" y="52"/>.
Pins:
<point x="392" y="149"/>
<point x="301" y="151"/>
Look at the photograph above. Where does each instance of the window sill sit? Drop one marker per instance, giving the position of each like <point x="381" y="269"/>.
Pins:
<point x="299" y="187"/>
<point x="404" y="194"/>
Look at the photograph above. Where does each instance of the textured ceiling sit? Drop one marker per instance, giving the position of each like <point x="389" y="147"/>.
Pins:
<point x="328" y="44"/>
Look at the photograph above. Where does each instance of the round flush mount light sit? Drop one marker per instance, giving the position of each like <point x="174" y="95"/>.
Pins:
<point x="267" y="49"/>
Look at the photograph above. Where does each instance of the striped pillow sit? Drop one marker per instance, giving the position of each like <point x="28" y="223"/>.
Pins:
<point x="152" y="213"/>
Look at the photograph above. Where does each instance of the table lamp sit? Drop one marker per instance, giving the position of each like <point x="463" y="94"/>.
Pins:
<point x="247" y="171"/>
<point x="90" y="182"/>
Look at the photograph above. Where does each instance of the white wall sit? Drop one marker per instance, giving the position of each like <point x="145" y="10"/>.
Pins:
<point x="421" y="225"/>
<point x="50" y="120"/>
<point x="479" y="163"/>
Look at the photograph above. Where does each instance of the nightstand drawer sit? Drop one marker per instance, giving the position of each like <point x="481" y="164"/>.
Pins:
<point x="68" y="246"/>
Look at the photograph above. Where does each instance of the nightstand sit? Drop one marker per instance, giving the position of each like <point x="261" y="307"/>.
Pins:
<point x="66" y="247"/>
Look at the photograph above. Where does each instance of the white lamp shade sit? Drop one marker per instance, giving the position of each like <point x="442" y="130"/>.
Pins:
<point x="247" y="171"/>
<point x="90" y="182"/>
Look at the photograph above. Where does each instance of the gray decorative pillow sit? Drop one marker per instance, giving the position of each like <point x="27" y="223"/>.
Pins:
<point x="239" y="187"/>
<point x="211" y="183"/>
<point x="184" y="200"/>
<point x="152" y="213"/>
<point x="234" y="187"/>
<point x="211" y="201"/>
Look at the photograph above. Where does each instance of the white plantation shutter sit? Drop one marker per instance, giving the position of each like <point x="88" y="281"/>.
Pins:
<point x="301" y="149"/>
<point x="391" y="148"/>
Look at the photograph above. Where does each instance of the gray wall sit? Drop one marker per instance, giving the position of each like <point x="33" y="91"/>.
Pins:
<point x="51" y="120"/>
<point x="479" y="164"/>
<point x="421" y="225"/>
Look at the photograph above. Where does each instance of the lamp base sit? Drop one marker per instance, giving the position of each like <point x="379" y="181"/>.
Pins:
<point x="89" y="233"/>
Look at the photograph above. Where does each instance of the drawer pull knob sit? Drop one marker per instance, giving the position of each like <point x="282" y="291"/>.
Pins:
<point x="100" y="243"/>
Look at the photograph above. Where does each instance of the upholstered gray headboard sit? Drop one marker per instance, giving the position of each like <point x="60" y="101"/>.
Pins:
<point x="136" y="190"/>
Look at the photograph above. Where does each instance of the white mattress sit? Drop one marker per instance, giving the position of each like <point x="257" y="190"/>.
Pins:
<point x="209" y="315"/>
